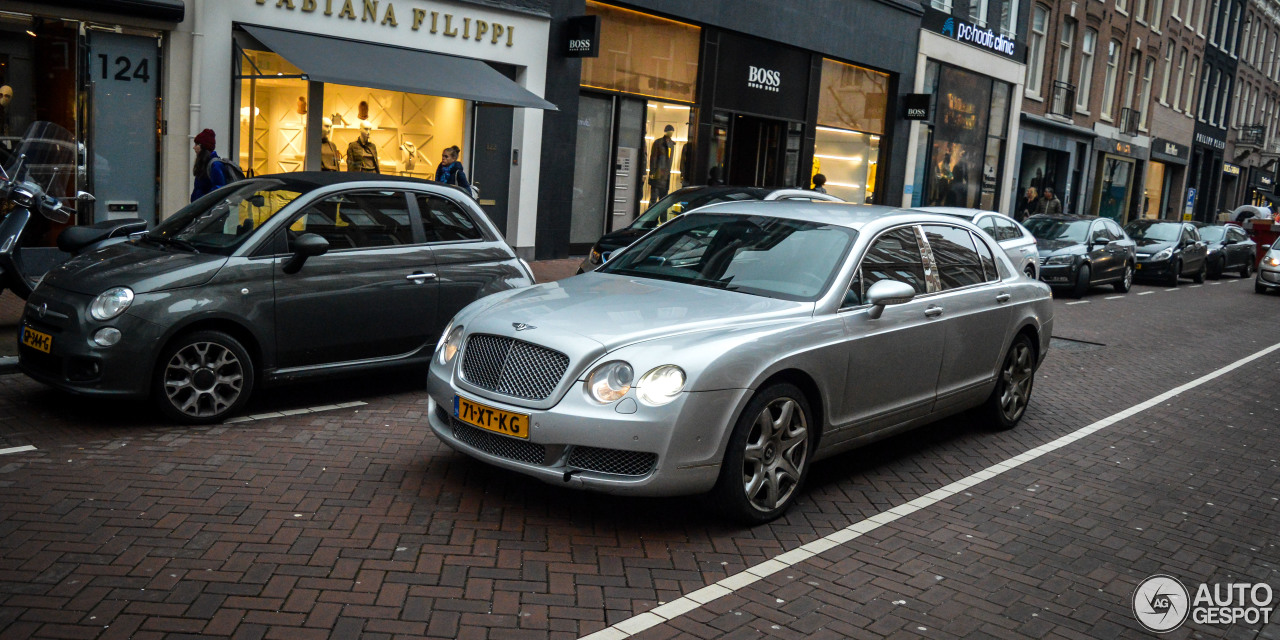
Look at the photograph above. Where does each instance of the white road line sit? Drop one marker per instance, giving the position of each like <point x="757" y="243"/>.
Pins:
<point x="1113" y="297"/>
<point x="1146" y="293"/>
<point x="1078" y="302"/>
<point x="294" y="412"/>
<point x="4" y="452"/>
<point x="691" y="601"/>
<point x="1195" y="285"/>
<point x="1214" y="283"/>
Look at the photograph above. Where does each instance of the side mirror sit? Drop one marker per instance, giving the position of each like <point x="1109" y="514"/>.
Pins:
<point x="308" y="245"/>
<point x="887" y="292"/>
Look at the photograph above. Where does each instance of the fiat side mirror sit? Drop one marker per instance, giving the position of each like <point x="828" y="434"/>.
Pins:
<point x="887" y="292"/>
<point x="308" y="245"/>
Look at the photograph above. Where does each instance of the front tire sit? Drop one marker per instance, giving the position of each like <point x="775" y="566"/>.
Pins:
<point x="1258" y="288"/>
<point x="1014" y="382"/>
<point x="203" y="377"/>
<point x="1125" y="282"/>
<point x="1082" y="282"/>
<point x="768" y="456"/>
<point x="1198" y="278"/>
<point x="1175" y="272"/>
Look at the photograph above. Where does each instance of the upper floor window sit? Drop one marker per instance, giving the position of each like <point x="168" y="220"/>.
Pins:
<point x="978" y="12"/>
<point x="1177" y="88"/>
<point x="1168" y="70"/>
<point x="1140" y="10"/>
<point x="1122" y="6"/>
<point x="1035" y="50"/>
<point x="1009" y="18"/>
<point x="1087" y="47"/>
<point x="1109" y="80"/>
<point x="1144" y="96"/>
<point x="1213" y="24"/>
<point x="941" y="5"/>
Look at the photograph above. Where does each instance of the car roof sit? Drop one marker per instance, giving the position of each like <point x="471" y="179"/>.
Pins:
<point x="964" y="212"/>
<point x="845" y="214"/>
<point x="318" y="179"/>
<point x="1065" y="216"/>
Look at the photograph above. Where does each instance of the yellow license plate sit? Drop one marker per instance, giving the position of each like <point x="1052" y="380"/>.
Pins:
<point x="37" y="340"/>
<point x="1137" y="266"/>
<point x="490" y="419"/>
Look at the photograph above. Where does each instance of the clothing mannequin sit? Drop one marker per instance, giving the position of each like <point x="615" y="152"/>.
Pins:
<point x="6" y="97"/>
<point x="660" y="157"/>
<point x="362" y="155"/>
<point x="329" y="158"/>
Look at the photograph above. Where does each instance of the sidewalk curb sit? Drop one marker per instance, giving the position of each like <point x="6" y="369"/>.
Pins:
<point x="8" y="364"/>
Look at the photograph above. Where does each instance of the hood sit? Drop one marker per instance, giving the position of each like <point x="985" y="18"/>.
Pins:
<point x="1050" y="247"/>
<point x="139" y="266"/>
<point x="1152" y="244"/>
<point x="620" y="238"/>
<point x="614" y="310"/>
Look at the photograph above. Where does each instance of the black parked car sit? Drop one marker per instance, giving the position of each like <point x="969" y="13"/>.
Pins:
<point x="683" y="201"/>
<point x="266" y="280"/>
<point x="1168" y="250"/>
<point x="1230" y="249"/>
<point x="1078" y="252"/>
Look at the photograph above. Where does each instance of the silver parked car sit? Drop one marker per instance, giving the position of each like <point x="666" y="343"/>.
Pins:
<point x="1268" y="278"/>
<point x="1017" y="242"/>
<point x="730" y="348"/>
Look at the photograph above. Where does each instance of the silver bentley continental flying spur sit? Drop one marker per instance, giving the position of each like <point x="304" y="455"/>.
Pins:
<point x="728" y="350"/>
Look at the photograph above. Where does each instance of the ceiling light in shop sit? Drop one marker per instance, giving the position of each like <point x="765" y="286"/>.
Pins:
<point x="853" y="159"/>
<point x="856" y="133"/>
<point x="844" y="184"/>
<point x="675" y="106"/>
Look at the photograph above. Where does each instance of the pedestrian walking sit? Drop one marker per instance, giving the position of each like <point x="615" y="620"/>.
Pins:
<point x="819" y="182"/>
<point x="207" y="169"/>
<point x="1027" y="207"/>
<point x="1050" y="203"/>
<point x="450" y="170"/>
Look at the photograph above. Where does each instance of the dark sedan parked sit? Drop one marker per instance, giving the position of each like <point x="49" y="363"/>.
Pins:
<point x="1230" y="249"/>
<point x="266" y="280"/>
<point x="1168" y="250"/>
<point x="1078" y="252"/>
<point x="683" y="201"/>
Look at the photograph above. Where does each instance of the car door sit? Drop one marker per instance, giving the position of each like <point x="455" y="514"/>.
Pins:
<point x="1101" y="257"/>
<point x="467" y="261"/>
<point x="892" y="361"/>
<point x="368" y="296"/>
<point x="1018" y="245"/>
<point x="975" y="312"/>
<point x="1194" y="251"/>
<point x="1240" y="251"/>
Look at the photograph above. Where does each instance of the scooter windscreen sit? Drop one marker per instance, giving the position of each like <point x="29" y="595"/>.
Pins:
<point x="44" y="159"/>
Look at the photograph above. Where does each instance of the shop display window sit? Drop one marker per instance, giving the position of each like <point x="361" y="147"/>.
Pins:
<point x="852" y="109"/>
<point x="273" y="114"/>
<point x="408" y="130"/>
<point x="848" y="159"/>
<point x="643" y="54"/>
<point x="668" y="160"/>
<point x="967" y="139"/>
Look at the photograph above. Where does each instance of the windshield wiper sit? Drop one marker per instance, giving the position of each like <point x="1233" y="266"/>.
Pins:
<point x="181" y="244"/>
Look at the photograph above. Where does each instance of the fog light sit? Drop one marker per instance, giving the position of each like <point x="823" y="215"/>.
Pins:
<point x="106" y="337"/>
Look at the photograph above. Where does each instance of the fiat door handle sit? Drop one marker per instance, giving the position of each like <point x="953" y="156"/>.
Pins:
<point x="933" y="312"/>
<point x="1002" y="298"/>
<point x="419" y="278"/>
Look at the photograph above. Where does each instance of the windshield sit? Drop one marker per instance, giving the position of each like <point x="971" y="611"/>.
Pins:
<point x="221" y="221"/>
<point x="1157" y="231"/>
<point x="47" y="157"/>
<point x="1213" y="234"/>
<point x="759" y="255"/>
<point x="687" y="199"/>
<point x="1055" y="229"/>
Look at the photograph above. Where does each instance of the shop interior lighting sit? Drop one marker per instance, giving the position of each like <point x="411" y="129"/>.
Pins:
<point x="856" y="133"/>
<point x="844" y="184"/>
<point x="675" y="106"/>
<point x="673" y="139"/>
<point x="37" y="23"/>
<point x="853" y="159"/>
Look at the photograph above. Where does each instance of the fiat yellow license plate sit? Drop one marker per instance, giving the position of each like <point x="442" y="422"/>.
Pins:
<point x="490" y="419"/>
<point x="37" y="340"/>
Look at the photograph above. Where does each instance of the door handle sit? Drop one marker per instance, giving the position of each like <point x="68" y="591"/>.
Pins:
<point x="1004" y="297"/>
<point x="419" y="278"/>
<point x="933" y="312"/>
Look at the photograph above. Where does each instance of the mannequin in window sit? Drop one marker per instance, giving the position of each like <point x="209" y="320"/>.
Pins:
<point x="660" y="157"/>
<point x="330" y="159"/>
<point x="362" y="155"/>
<point x="6" y="98"/>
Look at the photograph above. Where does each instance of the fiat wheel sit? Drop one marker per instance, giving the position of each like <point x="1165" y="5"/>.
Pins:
<point x="768" y="456"/>
<point x="1014" y="382"/>
<point x="203" y="377"/>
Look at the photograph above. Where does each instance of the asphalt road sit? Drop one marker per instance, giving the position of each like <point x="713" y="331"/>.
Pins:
<point x="335" y="512"/>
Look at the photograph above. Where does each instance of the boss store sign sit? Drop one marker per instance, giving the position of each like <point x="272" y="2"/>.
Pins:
<point x="582" y="37"/>
<point x="762" y="78"/>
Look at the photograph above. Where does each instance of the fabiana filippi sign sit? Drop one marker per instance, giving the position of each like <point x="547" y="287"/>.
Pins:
<point x="383" y="12"/>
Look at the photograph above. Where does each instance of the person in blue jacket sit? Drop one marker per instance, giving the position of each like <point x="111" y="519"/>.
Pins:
<point x="206" y="158"/>
<point x="450" y="170"/>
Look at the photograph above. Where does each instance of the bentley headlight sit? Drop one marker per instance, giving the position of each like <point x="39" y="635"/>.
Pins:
<point x="661" y="385"/>
<point x="610" y="381"/>
<point x="449" y="345"/>
<point x="1067" y="259"/>
<point x="1163" y="254"/>
<point x="111" y="303"/>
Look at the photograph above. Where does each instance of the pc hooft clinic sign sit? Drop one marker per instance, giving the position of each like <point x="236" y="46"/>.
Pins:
<point x="983" y="38"/>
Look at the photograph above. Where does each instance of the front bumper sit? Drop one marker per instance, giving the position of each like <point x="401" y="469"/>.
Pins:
<point x="1058" y="275"/>
<point x="74" y="363"/>
<point x="671" y="450"/>
<point x="1269" y="278"/>
<point x="1146" y="269"/>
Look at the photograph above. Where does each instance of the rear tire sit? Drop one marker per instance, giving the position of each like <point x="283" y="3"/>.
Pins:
<point x="1247" y="270"/>
<point x="203" y="377"/>
<point x="768" y="456"/>
<point x="1014" y="382"/>
<point x="1125" y="282"/>
<point x="1082" y="282"/>
<point x="1198" y="278"/>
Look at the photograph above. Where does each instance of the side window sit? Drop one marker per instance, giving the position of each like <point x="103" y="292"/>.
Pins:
<point x="1006" y="230"/>
<point x="1235" y="235"/>
<point x="359" y="220"/>
<point x="443" y="220"/>
<point x="989" y="224"/>
<point x="988" y="260"/>
<point x="895" y="255"/>
<point x="957" y="260"/>
<point x="1193" y="233"/>
<point x="1113" y="229"/>
<point x="1099" y="233"/>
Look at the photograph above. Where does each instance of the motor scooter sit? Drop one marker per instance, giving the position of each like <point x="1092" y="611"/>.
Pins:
<point x="37" y="182"/>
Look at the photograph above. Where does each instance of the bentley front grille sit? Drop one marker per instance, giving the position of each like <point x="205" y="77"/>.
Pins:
<point x="496" y="445"/>
<point x="615" y="461"/>
<point x="512" y="367"/>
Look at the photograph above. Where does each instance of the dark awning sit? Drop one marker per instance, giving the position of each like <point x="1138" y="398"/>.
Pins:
<point x="365" y="64"/>
<point x="167" y="10"/>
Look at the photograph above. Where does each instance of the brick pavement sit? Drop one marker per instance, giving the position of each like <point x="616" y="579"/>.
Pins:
<point x="359" y="522"/>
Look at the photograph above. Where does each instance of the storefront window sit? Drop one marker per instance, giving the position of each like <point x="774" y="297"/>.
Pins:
<point x="643" y="54"/>
<point x="851" y="118"/>
<point x="966" y="132"/>
<point x="273" y="114"/>
<point x="669" y="155"/>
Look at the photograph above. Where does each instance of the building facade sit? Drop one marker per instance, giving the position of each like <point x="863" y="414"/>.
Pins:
<point x="1253" y="147"/>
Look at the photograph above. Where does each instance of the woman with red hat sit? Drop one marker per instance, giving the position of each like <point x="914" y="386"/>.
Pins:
<point x="206" y="158"/>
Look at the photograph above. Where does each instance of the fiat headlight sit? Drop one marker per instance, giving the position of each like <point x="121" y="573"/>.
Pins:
<point x="1164" y="254"/>
<point x="1067" y="259"/>
<point x="661" y="385"/>
<point x="449" y="345"/>
<point x="595" y="257"/>
<point x="111" y="303"/>
<point x="610" y="381"/>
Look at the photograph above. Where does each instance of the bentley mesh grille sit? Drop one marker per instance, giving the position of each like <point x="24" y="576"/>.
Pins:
<point x="615" y="461"/>
<point x="512" y="367"/>
<point x="496" y="445"/>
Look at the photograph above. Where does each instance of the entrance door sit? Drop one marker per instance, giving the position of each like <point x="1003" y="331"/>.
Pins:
<point x="592" y="161"/>
<point x="757" y="152"/>
<point x="124" y="76"/>
<point x="491" y="161"/>
<point x="1111" y="199"/>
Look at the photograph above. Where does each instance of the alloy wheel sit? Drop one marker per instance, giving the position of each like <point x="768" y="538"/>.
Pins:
<point x="1015" y="381"/>
<point x="777" y="450"/>
<point x="203" y="379"/>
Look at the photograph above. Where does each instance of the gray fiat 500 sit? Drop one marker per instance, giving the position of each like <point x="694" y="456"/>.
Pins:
<point x="267" y="280"/>
<point x="728" y="349"/>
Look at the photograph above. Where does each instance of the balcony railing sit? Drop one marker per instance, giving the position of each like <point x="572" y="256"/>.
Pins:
<point x="1129" y="121"/>
<point x="1064" y="99"/>
<point x="1251" y="135"/>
